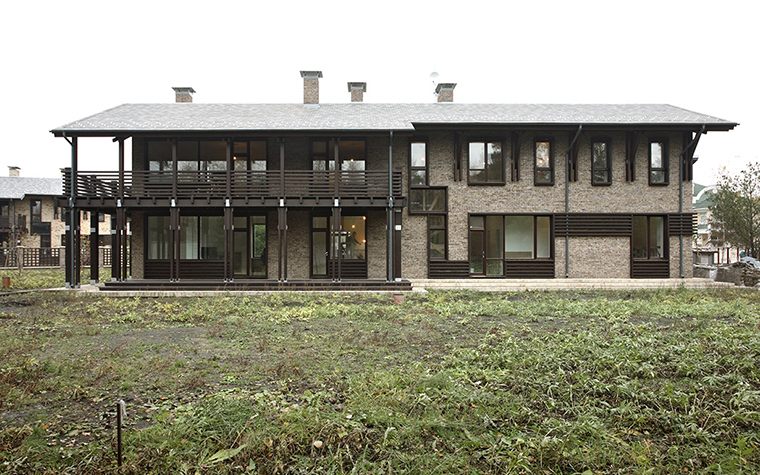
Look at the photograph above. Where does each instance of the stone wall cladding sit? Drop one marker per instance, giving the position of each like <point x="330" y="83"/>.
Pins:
<point x="414" y="226"/>
<point x="310" y="91"/>
<point x="519" y="197"/>
<point x="377" y="238"/>
<point x="597" y="257"/>
<point x="688" y="259"/>
<point x="137" y="240"/>
<point x="524" y="196"/>
<point x="299" y="244"/>
<point x="627" y="197"/>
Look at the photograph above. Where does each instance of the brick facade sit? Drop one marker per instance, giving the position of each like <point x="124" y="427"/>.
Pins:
<point x="607" y="257"/>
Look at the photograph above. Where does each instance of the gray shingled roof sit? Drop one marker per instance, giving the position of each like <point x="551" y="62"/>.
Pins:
<point x="193" y="117"/>
<point x="17" y="187"/>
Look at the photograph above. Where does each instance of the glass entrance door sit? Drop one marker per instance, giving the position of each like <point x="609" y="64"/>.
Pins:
<point x="350" y="243"/>
<point x="250" y="246"/>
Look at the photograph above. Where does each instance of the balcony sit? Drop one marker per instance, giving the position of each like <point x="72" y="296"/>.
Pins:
<point x="365" y="187"/>
<point x="6" y="225"/>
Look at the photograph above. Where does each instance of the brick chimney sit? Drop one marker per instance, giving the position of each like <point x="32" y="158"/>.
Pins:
<point x="183" y="94"/>
<point x="13" y="171"/>
<point x="357" y="90"/>
<point x="445" y="91"/>
<point x="311" y="87"/>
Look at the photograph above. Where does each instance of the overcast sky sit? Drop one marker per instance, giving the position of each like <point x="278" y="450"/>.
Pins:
<point x="66" y="60"/>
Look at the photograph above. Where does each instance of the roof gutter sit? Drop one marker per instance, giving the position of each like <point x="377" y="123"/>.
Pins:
<point x="567" y="199"/>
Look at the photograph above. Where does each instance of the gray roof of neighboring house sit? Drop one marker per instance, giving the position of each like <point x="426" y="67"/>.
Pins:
<point x="194" y="117"/>
<point x="18" y="187"/>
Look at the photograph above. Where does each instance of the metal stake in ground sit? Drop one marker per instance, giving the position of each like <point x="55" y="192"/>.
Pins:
<point x="121" y="413"/>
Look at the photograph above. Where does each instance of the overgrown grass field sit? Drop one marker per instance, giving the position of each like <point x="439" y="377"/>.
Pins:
<point x="448" y="382"/>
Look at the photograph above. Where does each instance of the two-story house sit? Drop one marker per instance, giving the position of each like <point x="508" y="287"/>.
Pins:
<point x="28" y="212"/>
<point x="381" y="193"/>
<point x="31" y="218"/>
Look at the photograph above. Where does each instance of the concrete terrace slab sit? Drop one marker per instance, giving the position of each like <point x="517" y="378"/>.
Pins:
<point x="424" y="285"/>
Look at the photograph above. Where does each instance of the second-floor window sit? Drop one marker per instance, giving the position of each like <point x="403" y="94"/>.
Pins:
<point x="192" y="155"/>
<point x="544" y="174"/>
<point x="486" y="163"/>
<point x="36" y="212"/>
<point x="658" y="162"/>
<point x="351" y="154"/>
<point x="418" y="169"/>
<point x="601" y="166"/>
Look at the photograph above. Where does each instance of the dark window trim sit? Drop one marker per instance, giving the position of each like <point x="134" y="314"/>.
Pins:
<point x="426" y="168"/>
<point x="550" y="168"/>
<point x="487" y="182"/>
<point x="552" y="254"/>
<point x="445" y="198"/>
<point x="248" y="150"/>
<point x="31" y="212"/>
<point x="329" y="231"/>
<point x="147" y="141"/>
<point x="608" y="168"/>
<point x="665" y="161"/>
<point x="665" y="238"/>
<point x="329" y="148"/>
<point x="445" y="229"/>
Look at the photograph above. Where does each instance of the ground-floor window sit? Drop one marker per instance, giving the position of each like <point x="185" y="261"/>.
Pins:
<point x="348" y="244"/>
<point x="495" y="239"/>
<point x="648" y="241"/>
<point x="437" y="236"/>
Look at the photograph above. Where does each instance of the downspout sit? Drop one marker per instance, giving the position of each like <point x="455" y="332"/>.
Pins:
<point x="680" y="193"/>
<point x="567" y="200"/>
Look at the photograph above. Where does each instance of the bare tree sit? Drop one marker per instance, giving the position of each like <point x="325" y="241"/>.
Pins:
<point x="736" y="208"/>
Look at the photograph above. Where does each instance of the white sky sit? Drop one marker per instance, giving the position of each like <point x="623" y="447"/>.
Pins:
<point x="66" y="60"/>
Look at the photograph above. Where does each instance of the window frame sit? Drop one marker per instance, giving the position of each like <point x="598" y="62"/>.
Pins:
<point x="425" y="168"/>
<point x="665" y="168"/>
<point x="537" y="169"/>
<point x="445" y="230"/>
<point x="665" y="238"/>
<point x="445" y="190"/>
<point x="502" y="168"/>
<point x="483" y="231"/>
<point x="608" y="146"/>
<point x="32" y="213"/>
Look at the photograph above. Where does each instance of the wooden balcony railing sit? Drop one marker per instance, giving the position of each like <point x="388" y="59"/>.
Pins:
<point x="241" y="184"/>
<point x="6" y="225"/>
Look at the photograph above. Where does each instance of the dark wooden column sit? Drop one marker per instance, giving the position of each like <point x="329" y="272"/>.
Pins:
<point x="282" y="166"/>
<point x="69" y="249"/>
<point x="116" y="245"/>
<point x="121" y="168"/>
<point x="282" y="243"/>
<point x="335" y="243"/>
<point x="72" y="236"/>
<point x="229" y="266"/>
<point x="389" y="245"/>
<point x="397" y="244"/>
<point x="285" y="244"/>
<point x="174" y="243"/>
<point x="175" y="166"/>
<point x="94" y="257"/>
<point x="126" y="241"/>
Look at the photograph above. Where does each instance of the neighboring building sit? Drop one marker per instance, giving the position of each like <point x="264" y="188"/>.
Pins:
<point x="29" y="213"/>
<point x="709" y="249"/>
<point x="388" y="192"/>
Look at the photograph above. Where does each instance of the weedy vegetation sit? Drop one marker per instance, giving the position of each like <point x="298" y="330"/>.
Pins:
<point x="657" y="382"/>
